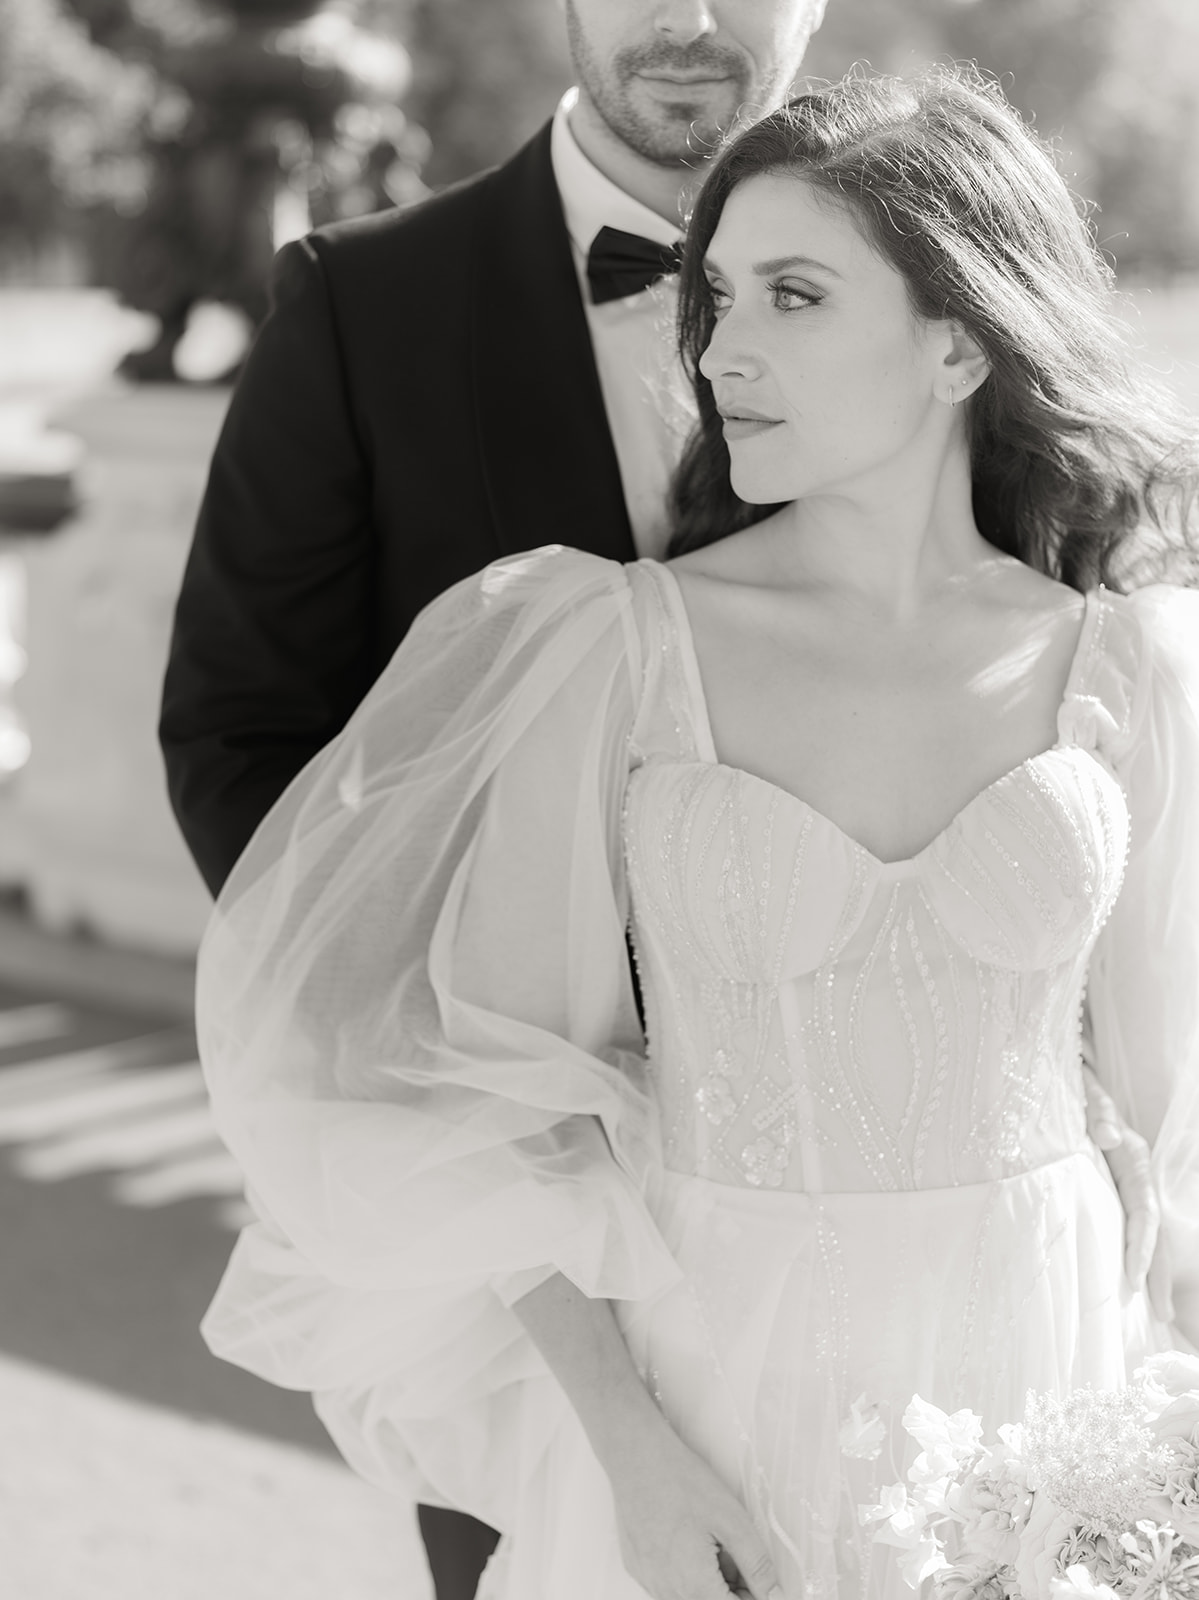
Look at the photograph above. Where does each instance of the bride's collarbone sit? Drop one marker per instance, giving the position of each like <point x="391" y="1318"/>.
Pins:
<point x="888" y="748"/>
<point x="891" y="778"/>
<point x="889" y="732"/>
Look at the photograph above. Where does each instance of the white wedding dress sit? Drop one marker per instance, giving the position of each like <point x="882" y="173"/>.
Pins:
<point x="853" y="1159"/>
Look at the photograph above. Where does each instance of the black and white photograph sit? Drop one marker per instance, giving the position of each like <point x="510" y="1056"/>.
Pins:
<point x="599" y="799"/>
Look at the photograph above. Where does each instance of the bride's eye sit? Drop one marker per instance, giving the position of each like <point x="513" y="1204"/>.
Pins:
<point x="721" y="299"/>
<point x="791" y="296"/>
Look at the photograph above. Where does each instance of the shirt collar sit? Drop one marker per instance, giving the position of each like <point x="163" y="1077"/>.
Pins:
<point x="589" y="200"/>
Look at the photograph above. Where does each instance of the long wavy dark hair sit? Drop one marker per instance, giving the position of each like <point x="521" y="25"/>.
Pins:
<point x="1082" y="465"/>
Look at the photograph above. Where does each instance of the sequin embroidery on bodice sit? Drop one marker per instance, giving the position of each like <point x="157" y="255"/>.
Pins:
<point x="822" y="1021"/>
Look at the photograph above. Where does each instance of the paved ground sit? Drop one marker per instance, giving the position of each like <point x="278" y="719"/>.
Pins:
<point x="135" y="1466"/>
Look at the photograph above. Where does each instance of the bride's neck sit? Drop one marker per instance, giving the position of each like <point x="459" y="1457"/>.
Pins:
<point x="893" y="543"/>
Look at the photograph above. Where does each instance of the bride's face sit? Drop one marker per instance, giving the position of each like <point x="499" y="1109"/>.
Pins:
<point x="821" y="369"/>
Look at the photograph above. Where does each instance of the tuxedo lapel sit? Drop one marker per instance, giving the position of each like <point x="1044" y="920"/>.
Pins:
<point x="548" y="459"/>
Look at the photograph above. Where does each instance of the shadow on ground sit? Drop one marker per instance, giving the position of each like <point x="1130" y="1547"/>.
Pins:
<point x="108" y="1290"/>
<point x="113" y="1296"/>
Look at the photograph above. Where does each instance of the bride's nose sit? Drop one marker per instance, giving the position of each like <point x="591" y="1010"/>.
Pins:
<point x="729" y="353"/>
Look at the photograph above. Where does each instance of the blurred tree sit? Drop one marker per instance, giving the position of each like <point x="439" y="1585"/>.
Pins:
<point x="1112" y="85"/>
<point x="70" y="122"/>
<point x="875" y="33"/>
<point x="273" y="115"/>
<point x="140" y="29"/>
<point x="1136" y="136"/>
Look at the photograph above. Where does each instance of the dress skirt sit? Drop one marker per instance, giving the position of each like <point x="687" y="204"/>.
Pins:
<point x="791" y="1307"/>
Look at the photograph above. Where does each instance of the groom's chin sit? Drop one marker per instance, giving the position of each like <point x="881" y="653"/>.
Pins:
<point x="679" y="124"/>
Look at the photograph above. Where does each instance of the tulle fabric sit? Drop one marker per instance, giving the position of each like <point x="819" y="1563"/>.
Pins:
<point x="1143" y="994"/>
<point x="418" y="1026"/>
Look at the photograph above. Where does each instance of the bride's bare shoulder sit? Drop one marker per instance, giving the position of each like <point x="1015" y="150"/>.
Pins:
<point x="1023" y="589"/>
<point x="742" y="558"/>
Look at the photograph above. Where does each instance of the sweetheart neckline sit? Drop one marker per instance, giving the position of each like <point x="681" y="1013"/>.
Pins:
<point x="902" y="864"/>
<point x="897" y="866"/>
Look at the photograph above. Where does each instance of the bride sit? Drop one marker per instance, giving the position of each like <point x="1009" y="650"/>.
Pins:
<point x="890" y="779"/>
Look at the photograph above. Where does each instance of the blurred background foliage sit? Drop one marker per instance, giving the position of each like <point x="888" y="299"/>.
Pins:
<point x="72" y="113"/>
<point x="1113" y="84"/>
<point x="165" y="148"/>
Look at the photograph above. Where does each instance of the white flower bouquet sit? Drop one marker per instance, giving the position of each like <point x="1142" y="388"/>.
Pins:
<point x="1096" y="1494"/>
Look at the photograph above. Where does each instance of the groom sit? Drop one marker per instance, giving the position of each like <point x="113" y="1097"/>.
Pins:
<point x="435" y="388"/>
<point x="440" y="386"/>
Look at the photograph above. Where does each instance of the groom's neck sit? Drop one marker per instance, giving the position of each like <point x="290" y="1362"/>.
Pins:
<point x="664" y="189"/>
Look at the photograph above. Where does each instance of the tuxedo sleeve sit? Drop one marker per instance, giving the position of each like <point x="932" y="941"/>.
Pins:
<point x="271" y="651"/>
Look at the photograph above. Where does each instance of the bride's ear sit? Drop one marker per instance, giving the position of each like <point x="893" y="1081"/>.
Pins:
<point x="963" y="367"/>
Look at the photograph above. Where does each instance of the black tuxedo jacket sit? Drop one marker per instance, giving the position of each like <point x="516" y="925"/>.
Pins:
<point x="421" y="400"/>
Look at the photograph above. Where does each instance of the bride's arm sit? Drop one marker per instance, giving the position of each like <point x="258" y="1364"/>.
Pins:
<point x="684" y="1535"/>
<point x="1143" y="988"/>
<point x="1130" y="1162"/>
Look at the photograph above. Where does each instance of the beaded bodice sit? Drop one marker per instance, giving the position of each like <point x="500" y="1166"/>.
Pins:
<point x="820" y="1020"/>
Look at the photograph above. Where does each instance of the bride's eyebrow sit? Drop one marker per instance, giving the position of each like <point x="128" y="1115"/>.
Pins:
<point x="780" y="264"/>
<point x="764" y="269"/>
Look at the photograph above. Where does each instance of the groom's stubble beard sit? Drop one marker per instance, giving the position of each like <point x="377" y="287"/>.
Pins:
<point x="682" y="133"/>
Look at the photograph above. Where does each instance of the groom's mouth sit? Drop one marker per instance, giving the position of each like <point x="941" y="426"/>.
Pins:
<point x="686" y="80"/>
<point x="699" y="66"/>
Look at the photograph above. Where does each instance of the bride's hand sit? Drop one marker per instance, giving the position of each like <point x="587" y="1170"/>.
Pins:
<point x="683" y="1535"/>
<point x="1146" y="1259"/>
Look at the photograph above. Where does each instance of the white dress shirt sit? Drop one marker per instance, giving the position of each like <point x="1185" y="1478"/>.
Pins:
<point x="645" y="394"/>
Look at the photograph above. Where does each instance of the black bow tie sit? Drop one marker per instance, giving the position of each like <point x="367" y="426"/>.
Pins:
<point x="625" y="263"/>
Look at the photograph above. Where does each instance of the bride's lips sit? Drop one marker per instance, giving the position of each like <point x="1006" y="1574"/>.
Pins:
<point x="744" y="423"/>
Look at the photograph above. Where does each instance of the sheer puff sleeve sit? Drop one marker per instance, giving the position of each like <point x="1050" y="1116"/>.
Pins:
<point x="1143" y="993"/>
<point x="418" y="1027"/>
